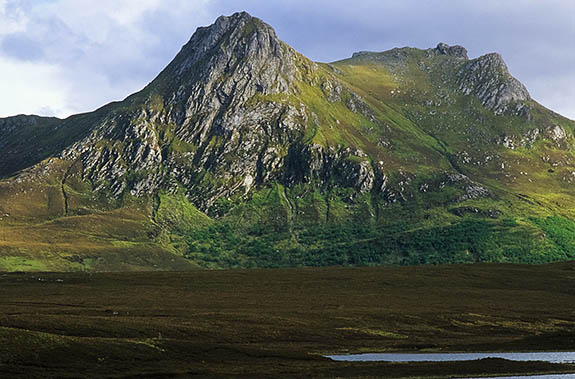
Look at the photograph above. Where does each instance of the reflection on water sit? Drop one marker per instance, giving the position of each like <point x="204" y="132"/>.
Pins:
<point x="553" y="357"/>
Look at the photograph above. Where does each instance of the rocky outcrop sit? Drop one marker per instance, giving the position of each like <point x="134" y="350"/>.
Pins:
<point x="357" y="173"/>
<point x="453" y="51"/>
<point x="347" y="167"/>
<point x="560" y="138"/>
<point x="356" y="104"/>
<point x="332" y="90"/>
<point x="488" y="79"/>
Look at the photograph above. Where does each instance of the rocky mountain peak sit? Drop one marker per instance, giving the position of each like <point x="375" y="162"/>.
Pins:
<point x="488" y="78"/>
<point x="208" y="114"/>
<point x="234" y="32"/>
<point x="240" y="45"/>
<point x="454" y="51"/>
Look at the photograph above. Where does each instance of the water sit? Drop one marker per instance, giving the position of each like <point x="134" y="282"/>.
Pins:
<point x="553" y="357"/>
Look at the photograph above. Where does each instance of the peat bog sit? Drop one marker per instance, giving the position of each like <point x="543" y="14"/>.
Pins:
<point x="279" y="322"/>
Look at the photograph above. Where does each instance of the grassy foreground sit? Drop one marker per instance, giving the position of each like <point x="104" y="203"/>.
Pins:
<point x="277" y="323"/>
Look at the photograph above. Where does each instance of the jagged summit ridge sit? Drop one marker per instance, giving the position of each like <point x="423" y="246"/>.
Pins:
<point x="486" y="77"/>
<point x="236" y="44"/>
<point x="441" y="49"/>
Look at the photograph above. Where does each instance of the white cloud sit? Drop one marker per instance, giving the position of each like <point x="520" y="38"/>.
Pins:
<point x="94" y="22"/>
<point x="84" y="54"/>
<point x="31" y="88"/>
<point x="10" y="22"/>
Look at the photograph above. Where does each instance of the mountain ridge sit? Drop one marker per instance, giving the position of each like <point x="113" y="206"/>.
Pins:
<point x="242" y="147"/>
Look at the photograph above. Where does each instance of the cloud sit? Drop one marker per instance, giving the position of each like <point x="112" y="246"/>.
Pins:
<point x="30" y="88"/>
<point x="20" y="46"/>
<point x="97" y="52"/>
<point x="11" y="21"/>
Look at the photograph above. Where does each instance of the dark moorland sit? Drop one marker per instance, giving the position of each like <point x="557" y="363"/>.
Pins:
<point x="278" y="322"/>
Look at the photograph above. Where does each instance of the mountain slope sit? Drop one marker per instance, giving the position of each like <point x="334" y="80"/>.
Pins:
<point x="243" y="152"/>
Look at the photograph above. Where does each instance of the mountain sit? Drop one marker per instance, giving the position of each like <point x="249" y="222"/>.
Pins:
<point x="244" y="153"/>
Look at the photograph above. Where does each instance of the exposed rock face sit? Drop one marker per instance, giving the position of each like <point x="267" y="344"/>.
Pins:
<point x="238" y="54"/>
<point x="357" y="174"/>
<point x="487" y="78"/>
<point x="356" y="104"/>
<point x="454" y="51"/>
<point x="332" y="90"/>
<point x="347" y="167"/>
<point x="471" y="189"/>
<point x="556" y="134"/>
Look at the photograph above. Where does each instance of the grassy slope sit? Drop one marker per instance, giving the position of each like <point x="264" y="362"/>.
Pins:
<point x="46" y="225"/>
<point x="275" y="323"/>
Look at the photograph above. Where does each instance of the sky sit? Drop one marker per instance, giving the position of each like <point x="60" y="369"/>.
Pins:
<point x="61" y="57"/>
